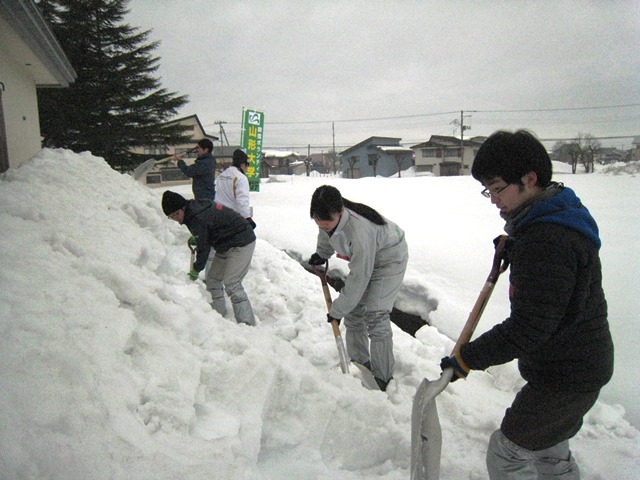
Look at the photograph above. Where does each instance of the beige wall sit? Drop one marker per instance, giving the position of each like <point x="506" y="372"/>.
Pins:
<point x="20" y="106"/>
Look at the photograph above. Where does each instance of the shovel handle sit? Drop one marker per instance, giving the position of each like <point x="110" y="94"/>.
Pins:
<point x="499" y="265"/>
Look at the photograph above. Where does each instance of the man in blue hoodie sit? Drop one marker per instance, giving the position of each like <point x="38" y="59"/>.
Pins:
<point x="558" y="328"/>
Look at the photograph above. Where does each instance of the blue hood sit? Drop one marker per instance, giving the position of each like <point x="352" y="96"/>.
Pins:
<point x="565" y="209"/>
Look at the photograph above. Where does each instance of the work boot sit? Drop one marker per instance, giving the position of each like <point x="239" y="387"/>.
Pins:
<point x="243" y="312"/>
<point x="382" y="384"/>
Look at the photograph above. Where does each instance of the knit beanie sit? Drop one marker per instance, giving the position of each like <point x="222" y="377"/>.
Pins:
<point x="239" y="158"/>
<point x="172" y="201"/>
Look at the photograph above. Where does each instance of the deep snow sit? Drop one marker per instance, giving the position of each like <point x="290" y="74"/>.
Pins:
<point x="115" y="367"/>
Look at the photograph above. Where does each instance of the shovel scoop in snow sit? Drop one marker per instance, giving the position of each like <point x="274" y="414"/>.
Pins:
<point x="426" y="435"/>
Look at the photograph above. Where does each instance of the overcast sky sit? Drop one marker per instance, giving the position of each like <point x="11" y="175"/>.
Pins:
<point x="403" y="69"/>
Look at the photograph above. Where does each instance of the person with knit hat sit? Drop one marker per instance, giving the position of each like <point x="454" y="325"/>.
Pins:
<point x="202" y="171"/>
<point x="232" y="187"/>
<point x="215" y="226"/>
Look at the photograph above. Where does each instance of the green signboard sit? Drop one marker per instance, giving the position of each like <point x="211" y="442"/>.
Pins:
<point x="251" y="141"/>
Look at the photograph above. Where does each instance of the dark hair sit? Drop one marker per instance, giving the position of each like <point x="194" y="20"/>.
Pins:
<point x="239" y="158"/>
<point x="510" y="156"/>
<point x="206" y="144"/>
<point x="327" y="200"/>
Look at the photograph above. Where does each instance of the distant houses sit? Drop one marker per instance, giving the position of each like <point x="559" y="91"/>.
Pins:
<point x="375" y="156"/>
<point x="446" y="156"/>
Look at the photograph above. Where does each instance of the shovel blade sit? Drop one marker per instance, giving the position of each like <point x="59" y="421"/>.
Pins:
<point x="426" y="434"/>
<point x="342" y="354"/>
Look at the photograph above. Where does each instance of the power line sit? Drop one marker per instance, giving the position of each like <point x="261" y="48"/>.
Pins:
<point x="420" y="115"/>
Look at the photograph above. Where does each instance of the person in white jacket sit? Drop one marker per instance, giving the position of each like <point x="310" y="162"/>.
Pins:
<point x="232" y="187"/>
<point x="377" y="253"/>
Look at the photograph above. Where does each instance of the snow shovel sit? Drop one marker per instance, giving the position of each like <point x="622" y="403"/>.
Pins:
<point x="145" y="167"/>
<point x="192" y="258"/>
<point x="342" y="352"/>
<point x="426" y="435"/>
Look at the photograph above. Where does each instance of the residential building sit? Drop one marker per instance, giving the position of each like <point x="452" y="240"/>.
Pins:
<point x="30" y="58"/>
<point x="280" y="162"/>
<point x="376" y="156"/>
<point x="609" y="155"/>
<point x="445" y="156"/>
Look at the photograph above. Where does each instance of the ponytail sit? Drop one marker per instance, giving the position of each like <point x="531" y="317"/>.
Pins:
<point x="365" y="211"/>
<point x="327" y="200"/>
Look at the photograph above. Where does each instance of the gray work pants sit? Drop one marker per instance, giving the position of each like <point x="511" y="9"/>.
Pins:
<point x="508" y="461"/>
<point x="369" y="337"/>
<point x="226" y="273"/>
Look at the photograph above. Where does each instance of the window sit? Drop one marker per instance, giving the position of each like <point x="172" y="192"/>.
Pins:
<point x="452" y="152"/>
<point x="429" y="153"/>
<point x="155" y="150"/>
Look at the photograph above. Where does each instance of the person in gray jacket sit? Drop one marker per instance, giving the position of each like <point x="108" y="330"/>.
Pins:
<point x="558" y="328"/>
<point x="215" y="226"/>
<point x="377" y="254"/>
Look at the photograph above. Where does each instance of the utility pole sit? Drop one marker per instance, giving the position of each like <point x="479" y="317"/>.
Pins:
<point x="463" y="127"/>
<point x="222" y="133"/>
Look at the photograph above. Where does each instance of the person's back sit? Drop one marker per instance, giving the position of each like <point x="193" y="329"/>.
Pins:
<point x="220" y="227"/>
<point x="232" y="186"/>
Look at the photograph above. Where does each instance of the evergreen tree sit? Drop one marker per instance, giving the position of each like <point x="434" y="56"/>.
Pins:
<point x="116" y="103"/>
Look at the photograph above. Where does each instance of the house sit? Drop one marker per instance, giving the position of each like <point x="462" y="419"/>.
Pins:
<point x="609" y="155"/>
<point x="168" y="173"/>
<point x="30" y="58"/>
<point x="279" y="162"/>
<point x="445" y="156"/>
<point x="375" y="156"/>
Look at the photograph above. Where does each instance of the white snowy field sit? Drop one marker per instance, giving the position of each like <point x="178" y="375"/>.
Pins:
<point x="115" y="367"/>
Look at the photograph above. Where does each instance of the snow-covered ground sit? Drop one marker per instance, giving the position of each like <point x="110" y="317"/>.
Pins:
<point x="115" y="367"/>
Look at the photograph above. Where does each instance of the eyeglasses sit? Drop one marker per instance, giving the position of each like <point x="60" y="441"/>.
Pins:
<point x="496" y="193"/>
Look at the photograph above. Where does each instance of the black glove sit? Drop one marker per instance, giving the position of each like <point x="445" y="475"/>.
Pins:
<point x="460" y="369"/>
<point x="316" y="260"/>
<point x="331" y="319"/>
<point x="251" y="222"/>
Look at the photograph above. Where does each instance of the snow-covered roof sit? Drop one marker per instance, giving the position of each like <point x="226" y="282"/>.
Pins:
<point x="385" y="148"/>
<point x="279" y="153"/>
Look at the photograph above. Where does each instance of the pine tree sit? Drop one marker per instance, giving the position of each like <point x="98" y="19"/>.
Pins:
<point x="116" y="103"/>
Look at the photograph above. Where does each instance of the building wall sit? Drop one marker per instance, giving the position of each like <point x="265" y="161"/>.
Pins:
<point x="20" y="105"/>
<point x="449" y="163"/>
<point x="385" y="167"/>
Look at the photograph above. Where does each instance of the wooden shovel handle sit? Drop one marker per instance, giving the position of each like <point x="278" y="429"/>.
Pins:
<point x="499" y="265"/>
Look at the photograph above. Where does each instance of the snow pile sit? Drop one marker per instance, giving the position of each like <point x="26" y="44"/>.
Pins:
<point x="115" y="367"/>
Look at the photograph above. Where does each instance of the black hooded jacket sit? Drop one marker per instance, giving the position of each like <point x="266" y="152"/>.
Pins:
<point x="558" y="328"/>
<point x="214" y="225"/>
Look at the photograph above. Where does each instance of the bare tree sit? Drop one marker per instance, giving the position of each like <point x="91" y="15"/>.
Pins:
<point x="399" y="157"/>
<point x="352" y="163"/>
<point x="334" y="160"/>
<point x="575" y="153"/>
<point x="373" y="161"/>
<point x="590" y="147"/>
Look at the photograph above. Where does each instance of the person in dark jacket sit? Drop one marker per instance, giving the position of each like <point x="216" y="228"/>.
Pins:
<point x="558" y="328"/>
<point x="202" y="171"/>
<point x="215" y="226"/>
